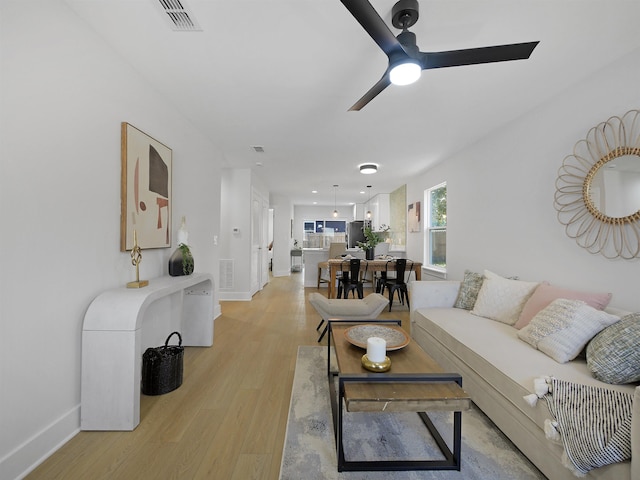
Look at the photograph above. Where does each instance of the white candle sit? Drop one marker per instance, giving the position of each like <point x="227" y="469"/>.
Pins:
<point x="376" y="349"/>
<point x="183" y="233"/>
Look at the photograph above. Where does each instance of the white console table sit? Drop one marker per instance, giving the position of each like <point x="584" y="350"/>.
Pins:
<point x="112" y="343"/>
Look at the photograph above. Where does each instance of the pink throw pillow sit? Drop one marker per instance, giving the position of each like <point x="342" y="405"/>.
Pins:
<point x="545" y="294"/>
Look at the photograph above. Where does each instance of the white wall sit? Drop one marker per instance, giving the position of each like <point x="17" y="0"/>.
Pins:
<point x="282" y="241"/>
<point x="500" y="192"/>
<point x="237" y="185"/>
<point x="63" y="96"/>
<point x="235" y="237"/>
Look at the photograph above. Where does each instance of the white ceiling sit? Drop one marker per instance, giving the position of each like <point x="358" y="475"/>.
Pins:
<point x="282" y="74"/>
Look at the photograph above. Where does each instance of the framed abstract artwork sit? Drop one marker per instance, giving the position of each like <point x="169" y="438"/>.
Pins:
<point x="145" y="190"/>
<point x="413" y="217"/>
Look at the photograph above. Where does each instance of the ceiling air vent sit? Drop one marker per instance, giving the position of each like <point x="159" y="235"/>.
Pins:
<point x="178" y="15"/>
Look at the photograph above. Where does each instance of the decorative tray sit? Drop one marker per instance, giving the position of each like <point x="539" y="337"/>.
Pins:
<point x="358" y="335"/>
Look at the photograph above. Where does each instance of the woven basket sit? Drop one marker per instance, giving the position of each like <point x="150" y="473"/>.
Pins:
<point x="162" y="367"/>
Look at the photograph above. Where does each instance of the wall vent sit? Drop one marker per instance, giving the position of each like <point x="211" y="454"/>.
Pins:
<point x="226" y="273"/>
<point x="178" y="15"/>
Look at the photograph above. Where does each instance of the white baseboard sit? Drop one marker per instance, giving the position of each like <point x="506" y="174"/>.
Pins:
<point x="26" y="457"/>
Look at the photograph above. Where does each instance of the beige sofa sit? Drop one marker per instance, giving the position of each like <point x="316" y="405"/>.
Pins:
<point x="498" y="370"/>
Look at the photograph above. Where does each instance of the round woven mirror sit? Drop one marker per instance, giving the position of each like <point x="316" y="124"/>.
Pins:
<point x="598" y="189"/>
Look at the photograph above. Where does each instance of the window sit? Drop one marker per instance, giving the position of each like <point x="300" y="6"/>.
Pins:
<point x="321" y="233"/>
<point x="336" y="226"/>
<point x="436" y="227"/>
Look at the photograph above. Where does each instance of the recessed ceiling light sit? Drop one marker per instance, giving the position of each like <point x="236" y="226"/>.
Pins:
<point x="368" y="168"/>
<point x="314" y="191"/>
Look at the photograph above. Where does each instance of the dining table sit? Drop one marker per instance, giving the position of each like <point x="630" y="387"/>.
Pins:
<point x="377" y="265"/>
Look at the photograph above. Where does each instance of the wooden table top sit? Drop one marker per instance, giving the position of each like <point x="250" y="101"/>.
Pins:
<point x="392" y="396"/>
<point x="377" y="264"/>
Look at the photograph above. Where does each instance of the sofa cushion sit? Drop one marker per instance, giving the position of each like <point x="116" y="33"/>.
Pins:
<point x="489" y="349"/>
<point x="545" y="294"/>
<point x="501" y="298"/>
<point x="564" y="327"/>
<point x="613" y="355"/>
<point x="469" y="289"/>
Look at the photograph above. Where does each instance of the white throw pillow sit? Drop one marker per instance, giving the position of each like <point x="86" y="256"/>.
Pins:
<point x="502" y="299"/>
<point x="562" y="329"/>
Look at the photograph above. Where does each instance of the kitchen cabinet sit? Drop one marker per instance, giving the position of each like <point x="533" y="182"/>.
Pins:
<point x="359" y="211"/>
<point x="380" y="211"/>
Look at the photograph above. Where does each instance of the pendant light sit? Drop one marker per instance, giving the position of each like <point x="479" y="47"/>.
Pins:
<point x="368" y="204"/>
<point x="335" y="208"/>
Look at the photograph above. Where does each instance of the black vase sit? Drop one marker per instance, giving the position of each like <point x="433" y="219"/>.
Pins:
<point x="369" y="253"/>
<point x="176" y="267"/>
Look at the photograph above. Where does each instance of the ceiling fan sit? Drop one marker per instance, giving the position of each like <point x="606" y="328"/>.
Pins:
<point x="406" y="62"/>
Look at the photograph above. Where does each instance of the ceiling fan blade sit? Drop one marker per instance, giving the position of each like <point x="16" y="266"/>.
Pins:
<point x="368" y="17"/>
<point x="473" y="56"/>
<point x="373" y="92"/>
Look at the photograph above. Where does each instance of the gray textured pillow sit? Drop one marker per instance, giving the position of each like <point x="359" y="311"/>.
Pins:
<point x="469" y="289"/>
<point x="613" y="356"/>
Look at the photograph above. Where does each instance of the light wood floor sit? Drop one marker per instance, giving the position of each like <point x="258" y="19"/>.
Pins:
<point x="228" y="419"/>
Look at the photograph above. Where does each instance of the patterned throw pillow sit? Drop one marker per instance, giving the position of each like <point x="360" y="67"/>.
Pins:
<point x="501" y="298"/>
<point x="469" y="289"/>
<point x="545" y="294"/>
<point x="613" y="356"/>
<point x="562" y="329"/>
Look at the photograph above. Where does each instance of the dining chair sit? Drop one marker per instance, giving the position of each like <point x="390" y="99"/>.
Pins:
<point x="351" y="279"/>
<point x="336" y="249"/>
<point x="380" y="278"/>
<point x="403" y="269"/>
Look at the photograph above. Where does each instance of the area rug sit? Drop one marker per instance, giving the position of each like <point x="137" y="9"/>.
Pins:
<point x="310" y="452"/>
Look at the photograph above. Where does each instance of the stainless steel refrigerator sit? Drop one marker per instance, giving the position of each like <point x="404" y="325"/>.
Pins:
<point x="355" y="233"/>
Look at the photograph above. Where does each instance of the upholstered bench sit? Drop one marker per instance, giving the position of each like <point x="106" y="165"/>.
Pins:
<point x="346" y="309"/>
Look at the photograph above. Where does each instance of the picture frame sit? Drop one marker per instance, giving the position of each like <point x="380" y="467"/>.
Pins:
<point x="146" y="179"/>
<point x="413" y="217"/>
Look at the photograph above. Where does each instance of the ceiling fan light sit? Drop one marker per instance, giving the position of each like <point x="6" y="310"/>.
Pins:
<point x="368" y="168"/>
<point x="405" y="73"/>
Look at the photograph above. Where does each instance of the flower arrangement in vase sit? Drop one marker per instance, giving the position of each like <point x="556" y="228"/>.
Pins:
<point x="371" y="240"/>
<point x="181" y="261"/>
